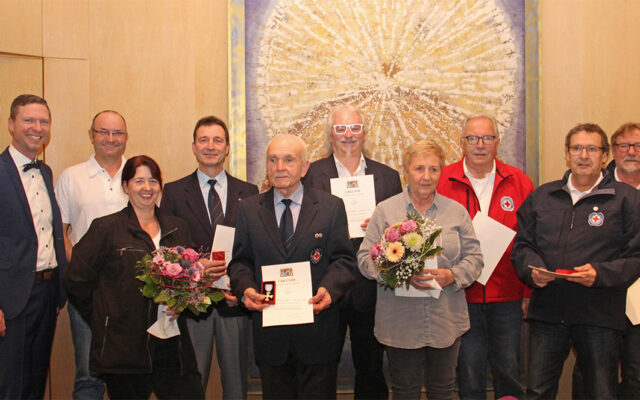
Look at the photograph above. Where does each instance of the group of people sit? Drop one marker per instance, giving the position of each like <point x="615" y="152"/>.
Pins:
<point x="82" y="240"/>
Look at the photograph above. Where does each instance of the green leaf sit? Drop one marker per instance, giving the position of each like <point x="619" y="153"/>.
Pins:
<point x="150" y="291"/>
<point x="162" y="298"/>
<point x="216" y="296"/>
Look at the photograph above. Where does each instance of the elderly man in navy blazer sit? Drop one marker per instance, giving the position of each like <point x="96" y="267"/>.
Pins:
<point x="206" y="198"/>
<point x="293" y="223"/>
<point x="346" y="132"/>
<point x="32" y="257"/>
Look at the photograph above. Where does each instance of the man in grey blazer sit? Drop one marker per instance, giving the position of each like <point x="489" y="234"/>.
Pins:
<point x="32" y="258"/>
<point x="346" y="133"/>
<point x="293" y="223"/>
<point x="204" y="206"/>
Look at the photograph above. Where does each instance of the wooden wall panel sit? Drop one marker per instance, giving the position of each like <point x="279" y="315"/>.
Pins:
<point x="21" y="27"/>
<point x="18" y="75"/>
<point x="65" y="28"/>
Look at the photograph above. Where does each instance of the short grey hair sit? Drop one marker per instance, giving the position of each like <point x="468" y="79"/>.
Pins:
<point x="483" y="116"/>
<point x="294" y="138"/>
<point x="349" y="107"/>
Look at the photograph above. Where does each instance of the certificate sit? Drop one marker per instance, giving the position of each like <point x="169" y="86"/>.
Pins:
<point x="494" y="239"/>
<point x="359" y="197"/>
<point x="633" y="303"/>
<point x="293" y="289"/>
<point x="223" y="240"/>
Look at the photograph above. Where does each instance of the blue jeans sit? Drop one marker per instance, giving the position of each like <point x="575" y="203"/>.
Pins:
<point x="598" y="354"/>
<point x="435" y="367"/>
<point x="494" y="338"/>
<point x="630" y="388"/>
<point x="85" y="386"/>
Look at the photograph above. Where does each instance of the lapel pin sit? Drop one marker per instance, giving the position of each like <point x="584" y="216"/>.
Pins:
<point x="318" y="235"/>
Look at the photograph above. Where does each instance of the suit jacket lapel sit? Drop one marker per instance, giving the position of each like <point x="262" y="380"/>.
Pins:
<point x="233" y="194"/>
<point x="308" y="212"/>
<point x="377" y="185"/>
<point x="12" y="171"/>
<point x="267" y="215"/>
<point x="193" y="196"/>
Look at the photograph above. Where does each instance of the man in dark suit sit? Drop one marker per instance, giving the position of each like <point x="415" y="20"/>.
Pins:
<point x="287" y="224"/>
<point x="32" y="257"/>
<point x="346" y="132"/>
<point x="192" y="199"/>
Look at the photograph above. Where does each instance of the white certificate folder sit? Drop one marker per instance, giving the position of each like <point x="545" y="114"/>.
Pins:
<point x="293" y="289"/>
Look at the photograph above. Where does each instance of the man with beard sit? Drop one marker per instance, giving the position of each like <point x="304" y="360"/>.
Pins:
<point x="586" y="230"/>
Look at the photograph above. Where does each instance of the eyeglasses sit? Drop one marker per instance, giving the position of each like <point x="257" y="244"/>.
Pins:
<point x="105" y="133"/>
<point x="356" y="129"/>
<point x="486" y="139"/>
<point x="627" y="146"/>
<point x="591" y="149"/>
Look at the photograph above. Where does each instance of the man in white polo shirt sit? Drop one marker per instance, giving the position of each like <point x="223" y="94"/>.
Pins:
<point x="86" y="191"/>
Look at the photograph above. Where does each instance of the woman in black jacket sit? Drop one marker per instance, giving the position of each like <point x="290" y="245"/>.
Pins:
<point x="101" y="284"/>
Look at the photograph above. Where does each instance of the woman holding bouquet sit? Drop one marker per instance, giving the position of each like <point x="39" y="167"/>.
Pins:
<point x="100" y="282"/>
<point x="421" y="326"/>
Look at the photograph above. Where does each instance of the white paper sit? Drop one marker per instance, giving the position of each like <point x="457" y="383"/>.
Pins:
<point x="164" y="328"/>
<point x="223" y="240"/>
<point x="431" y="263"/>
<point x="292" y="293"/>
<point x="494" y="240"/>
<point x="359" y="197"/>
<point x="633" y="303"/>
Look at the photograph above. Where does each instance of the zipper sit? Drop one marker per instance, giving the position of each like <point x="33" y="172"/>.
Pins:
<point x="122" y="250"/>
<point x="566" y="243"/>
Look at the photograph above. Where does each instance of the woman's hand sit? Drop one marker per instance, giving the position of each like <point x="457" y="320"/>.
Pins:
<point x="444" y="277"/>
<point x="171" y="312"/>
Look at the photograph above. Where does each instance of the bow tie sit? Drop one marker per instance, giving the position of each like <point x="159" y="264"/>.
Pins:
<point x="33" y="164"/>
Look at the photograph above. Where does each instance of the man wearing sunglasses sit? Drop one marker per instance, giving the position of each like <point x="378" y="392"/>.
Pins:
<point x="585" y="229"/>
<point x="346" y="133"/>
<point x="84" y="192"/>
<point x="484" y="184"/>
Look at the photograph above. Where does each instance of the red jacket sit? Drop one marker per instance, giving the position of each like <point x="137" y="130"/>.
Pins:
<point x="510" y="188"/>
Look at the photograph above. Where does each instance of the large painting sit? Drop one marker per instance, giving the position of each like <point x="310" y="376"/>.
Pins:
<point x="417" y="68"/>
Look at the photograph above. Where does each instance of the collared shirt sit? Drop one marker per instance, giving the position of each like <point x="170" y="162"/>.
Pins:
<point x="40" y="206"/>
<point x="220" y="186"/>
<point x="412" y="323"/>
<point x="615" y="175"/>
<point x="343" y="172"/>
<point x="85" y="192"/>
<point x="575" y="193"/>
<point x="296" y="204"/>
<point x="482" y="186"/>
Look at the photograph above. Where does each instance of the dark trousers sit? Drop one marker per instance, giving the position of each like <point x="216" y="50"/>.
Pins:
<point x="296" y="380"/>
<point x="630" y="388"/>
<point x="435" y="367"/>
<point x="25" y="350"/>
<point x="165" y="380"/>
<point x="367" y="353"/>
<point x="598" y="355"/>
<point x="494" y="338"/>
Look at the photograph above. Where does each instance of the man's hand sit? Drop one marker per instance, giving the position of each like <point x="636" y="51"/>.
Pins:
<point x="254" y="300"/>
<point x="230" y="299"/>
<point x="540" y="279"/>
<point x="171" y="312"/>
<point x="321" y="301"/>
<point x="3" y="327"/>
<point x="584" y="275"/>
<point x="214" y="268"/>
<point x="525" y="307"/>
<point x="365" y="224"/>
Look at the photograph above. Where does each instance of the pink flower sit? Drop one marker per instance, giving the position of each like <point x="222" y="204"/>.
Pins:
<point x="158" y="259"/>
<point x="392" y="235"/>
<point x="172" y="270"/>
<point x="375" y="251"/>
<point x="408" y="226"/>
<point x="191" y="255"/>
<point x="196" y="276"/>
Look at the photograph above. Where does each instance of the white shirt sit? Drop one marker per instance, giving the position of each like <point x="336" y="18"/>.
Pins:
<point x="296" y="204"/>
<point x="482" y="186"/>
<point x="575" y="193"/>
<point x="343" y="172"/>
<point x="220" y="186"/>
<point x="86" y="191"/>
<point x="40" y="206"/>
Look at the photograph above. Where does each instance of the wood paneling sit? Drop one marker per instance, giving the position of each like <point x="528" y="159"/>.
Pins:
<point x="21" y="27"/>
<point x="65" y="28"/>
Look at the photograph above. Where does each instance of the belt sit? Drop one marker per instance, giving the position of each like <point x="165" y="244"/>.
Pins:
<point x="46" y="274"/>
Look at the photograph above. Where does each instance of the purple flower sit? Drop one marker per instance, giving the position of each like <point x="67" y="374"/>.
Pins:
<point x="392" y="235"/>
<point x="408" y="226"/>
<point x="375" y="251"/>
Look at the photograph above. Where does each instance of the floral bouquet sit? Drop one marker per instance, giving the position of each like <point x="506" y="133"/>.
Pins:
<point x="173" y="276"/>
<point x="403" y="249"/>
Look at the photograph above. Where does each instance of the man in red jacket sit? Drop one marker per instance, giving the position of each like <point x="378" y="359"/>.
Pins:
<point x="482" y="183"/>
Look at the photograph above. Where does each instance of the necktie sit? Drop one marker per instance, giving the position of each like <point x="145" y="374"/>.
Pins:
<point x="286" y="225"/>
<point x="215" y="206"/>
<point x="33" y="164"/>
